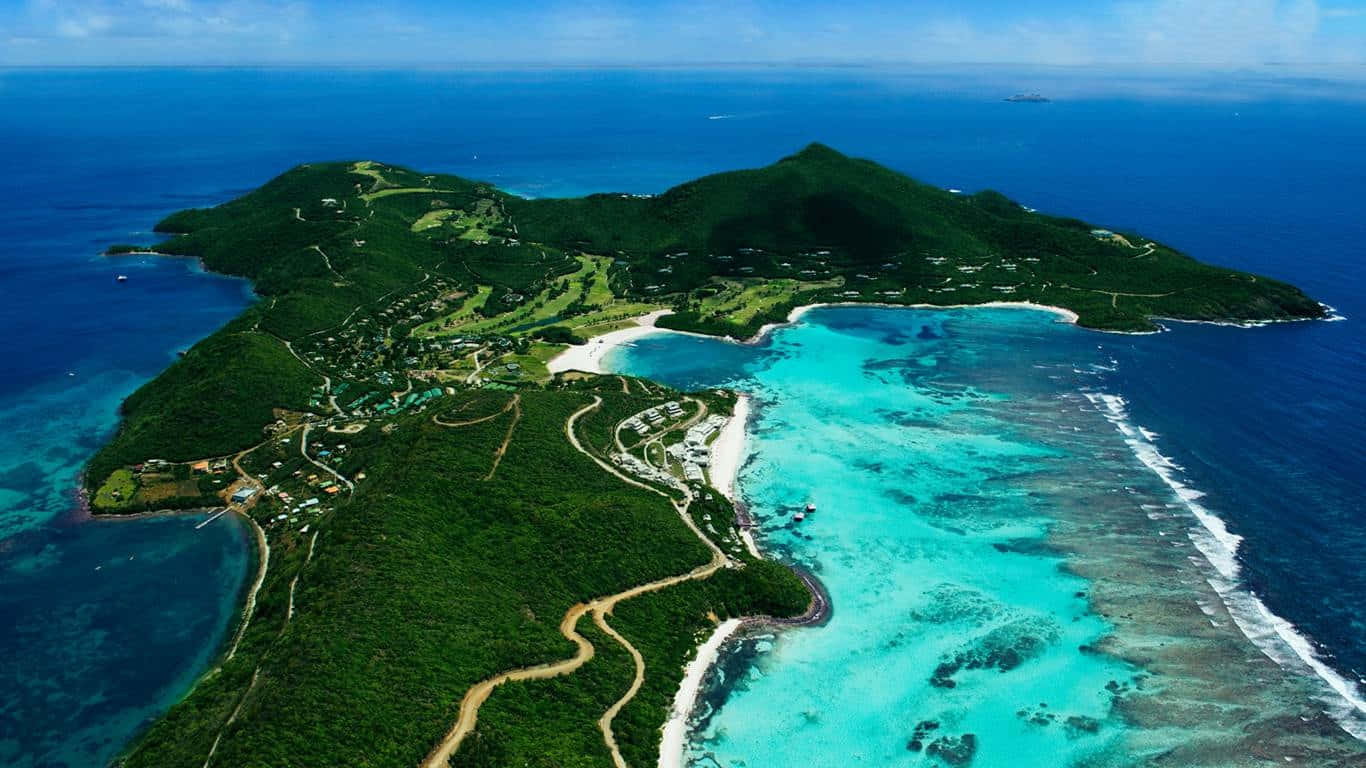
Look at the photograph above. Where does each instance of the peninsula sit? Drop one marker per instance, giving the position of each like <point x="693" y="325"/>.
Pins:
<point x="466" y="559"/>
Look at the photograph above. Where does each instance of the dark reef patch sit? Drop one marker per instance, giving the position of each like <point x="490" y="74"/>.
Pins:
<point x="1081" y="725"/>
<point x="900" y="497"/>
<point x="22" y="477"/>
<point x="1003" y="648"/>
<point x="950" y="602"/>
<point x="953" y="750"/>
<point x="922" y="729"/>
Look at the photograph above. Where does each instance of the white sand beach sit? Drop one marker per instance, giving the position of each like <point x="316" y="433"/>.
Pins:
<point x="727" y="453"/>
<point x="588" y="357"/>
<point x="727" y="450"/>
<point x="1066" y="314"/>
<point x="797" y="312"/>
<point x="676" y="727"/>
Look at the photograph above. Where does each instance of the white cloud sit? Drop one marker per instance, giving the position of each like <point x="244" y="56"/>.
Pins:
<point x="84" y="25"/>
<point x="1208" y="32"/>
<point x="1220" y="31"/>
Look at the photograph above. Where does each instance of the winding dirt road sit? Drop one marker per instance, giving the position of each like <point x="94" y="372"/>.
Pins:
<point x="471" y="422"/>
<point x="600" y="608"/>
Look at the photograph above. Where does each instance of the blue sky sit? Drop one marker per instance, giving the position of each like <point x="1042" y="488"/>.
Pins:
<point x="1112" y="32"/>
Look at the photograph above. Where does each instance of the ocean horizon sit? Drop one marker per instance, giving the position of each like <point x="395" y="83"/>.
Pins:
<point x="1258" y="428"/>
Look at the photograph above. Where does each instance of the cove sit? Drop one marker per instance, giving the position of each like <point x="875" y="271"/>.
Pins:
<point x="996" y="557"/>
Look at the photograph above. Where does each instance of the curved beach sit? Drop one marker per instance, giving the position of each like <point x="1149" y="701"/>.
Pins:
<point x="1116" y="595"/>
<point x="671" y="746"/>
<point x="588" y="357"/>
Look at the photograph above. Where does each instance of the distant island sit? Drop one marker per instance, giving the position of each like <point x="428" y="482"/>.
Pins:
<point x="465" y="558"/>
<point x="1029" y="98"/>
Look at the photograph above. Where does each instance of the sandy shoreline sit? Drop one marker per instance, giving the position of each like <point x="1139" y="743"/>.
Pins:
<point x="1066" y="314"/>
<point x="727" y="450"/>
<point x="676" y="727"/>
<point x="588" y="357"/>
<point x="727" y="454"/>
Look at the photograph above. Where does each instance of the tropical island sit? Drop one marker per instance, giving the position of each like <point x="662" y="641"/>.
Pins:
<point x="467" y="559"/>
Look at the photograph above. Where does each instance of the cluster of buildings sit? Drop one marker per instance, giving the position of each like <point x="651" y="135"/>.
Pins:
<point x="692" y="452"/>
<point x="653" y="417"/>
<point x="362" y="347"/>
<point x="635" y="466"/>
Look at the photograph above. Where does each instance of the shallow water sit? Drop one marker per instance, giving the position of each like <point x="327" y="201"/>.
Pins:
<point x="941" y="449"/>
<point x="1252" y="170"/>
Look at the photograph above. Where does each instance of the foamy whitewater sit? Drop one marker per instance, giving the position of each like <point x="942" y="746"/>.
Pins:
<point x="946" y="451"/>
<point x="1273" y="635"/>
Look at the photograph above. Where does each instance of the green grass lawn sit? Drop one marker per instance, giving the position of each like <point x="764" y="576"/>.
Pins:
<point x="454" y="323"/>
<point x="122" y="482"/>
<point x="434" y="219"/>
<point x="743" y="300"/>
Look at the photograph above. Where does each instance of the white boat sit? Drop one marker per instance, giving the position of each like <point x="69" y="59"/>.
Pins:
<point x="810" y="508"/>
<point x="121" y="278"/>
<point x="800" y="516"/>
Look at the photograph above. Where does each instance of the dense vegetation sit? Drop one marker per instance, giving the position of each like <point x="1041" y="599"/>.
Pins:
<point x="819" y="215"/>
<point x="405" y="321"/>
<point x="434" y="578"/>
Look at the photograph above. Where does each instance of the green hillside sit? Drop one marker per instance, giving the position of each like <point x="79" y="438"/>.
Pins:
<point x="440" y="514"/>
<point x="820" y="215"/>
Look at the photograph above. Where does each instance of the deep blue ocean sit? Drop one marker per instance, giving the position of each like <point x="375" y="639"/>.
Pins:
<point x="1264" y="171"/>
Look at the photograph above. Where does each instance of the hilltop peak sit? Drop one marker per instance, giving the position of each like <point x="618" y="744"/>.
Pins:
<point x="818" y="151"/>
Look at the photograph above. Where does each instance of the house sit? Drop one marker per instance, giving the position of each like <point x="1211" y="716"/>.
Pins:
<point x="200" y="467"/>
<point x="243" y="495"/>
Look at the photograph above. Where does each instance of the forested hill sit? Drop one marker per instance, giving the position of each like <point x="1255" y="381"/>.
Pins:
<point x="838" y="228"/>
<point x="437" y="512"/>
<point x="820" y="215"/>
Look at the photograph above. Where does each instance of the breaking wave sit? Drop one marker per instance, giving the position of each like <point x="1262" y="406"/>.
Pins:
<point x="1274" y="636"/>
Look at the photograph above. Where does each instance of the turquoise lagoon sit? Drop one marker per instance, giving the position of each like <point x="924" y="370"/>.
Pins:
<point x="996" y="556"/>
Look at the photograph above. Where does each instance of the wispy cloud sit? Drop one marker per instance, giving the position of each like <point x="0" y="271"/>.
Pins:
<point x="1207" y="32"/>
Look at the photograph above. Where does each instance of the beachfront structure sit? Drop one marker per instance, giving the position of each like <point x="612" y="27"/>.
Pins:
<point x="699" y="433"/>
<point x="639" y="468"/>
<point x="243" y="495"/>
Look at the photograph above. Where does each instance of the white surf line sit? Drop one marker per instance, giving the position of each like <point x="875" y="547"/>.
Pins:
<point x="1277" y="638"/>
<point x="676" y="727"/>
